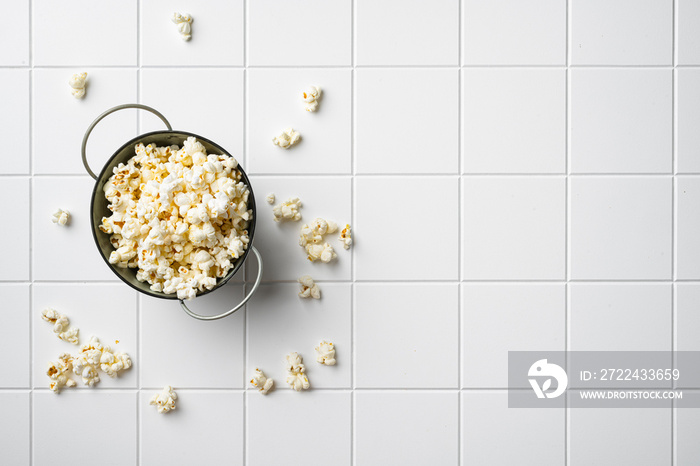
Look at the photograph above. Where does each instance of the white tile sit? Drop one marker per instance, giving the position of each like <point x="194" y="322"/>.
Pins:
<point x="15" y="31"/>
<point x="87" y="33"/>
<point x="14" y="427"/>
<point x="688" y="46"/>
<point x="214" y="23"/>
<point x="184" y="352"/>
<point x="16" y="257"/>
<point x="279" y="322"/>
<point x="60" y="421"/>
<point x="514" y="120"/>
<point x="406" y="335"/>
<point x="621" y="32"/>
<point x="299" y="33"/>
<point x="620" y="228"/>
<point x="687" y="317"/>
<point x="275" y="103"/>
<point x="213" y="418"/>
<point x="407" y="32"/>
<point x="15" y="318"/>
<point x="65" y="252"/>
<point x="687" y="120"/>
<point x="407" y="428"/>
<point x="511" y="32"/>
<point x="397" y="125"/>
<point x="60" y="120"/>
<point x="389" y="244"/>
<point x="14" y="124"/>
<point x="686" y="427"/>
<point x="619" y="436"/>
<point x="621" y="121"/>
<point x="620" y="316"/>
<point x="493" y="433"/>
<point x="687" y="227"/>
<point x="309" y="427"/>
<point x="105" y="311"/>
<point x="215" y="111"/>
<point x="283" y="258"/>
<point x="497" y="318"/>
<point x="513" y="228"/>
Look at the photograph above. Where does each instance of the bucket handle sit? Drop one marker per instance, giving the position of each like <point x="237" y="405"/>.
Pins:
<point x="258" y="279"/>
<point x="112" y="110"/>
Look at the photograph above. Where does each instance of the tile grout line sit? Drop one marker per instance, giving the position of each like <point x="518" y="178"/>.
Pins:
<point x="567" y="242"/>
<point x="460" y="232"/>
<point x="353" y="51"/>
<point x="674" y="244"/>
<point x="31" y="236"/>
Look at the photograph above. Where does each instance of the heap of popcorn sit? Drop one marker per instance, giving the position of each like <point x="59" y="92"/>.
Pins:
<point x="178" y="215"/>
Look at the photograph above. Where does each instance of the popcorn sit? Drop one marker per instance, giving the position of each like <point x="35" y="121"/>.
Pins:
<point x="346" y="237"/>
<point x="270" y="198"/>
<point x="70" y="336"/>
<point x="61" y="325"/>
<point x="77" y="84"/>
<point x="112" y="363"/>
<point x="309" y="289"/>
<point x="61" y="217"/>
<point x="287" y="138"/>
<point x="296" y="379"/>
<point x="311" y="236"/>
<point x="184" y="25"/>
<point x="165" y="400"/>
<point x="262" y="383"/>
<point x="57" y="373"/>
<point x="325" y="353"/>
<point x="287" y="210"/>
<point x="311" y="97"/>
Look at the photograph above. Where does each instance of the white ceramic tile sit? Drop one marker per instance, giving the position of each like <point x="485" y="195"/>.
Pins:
<point x="87" y="33"/>
<point x="687" y="317"/>
<point x="65" y="252"/>
<point x="206" y="427"/>
<point x="511" y="32"/>
<point x="686" y="427"/>
<point x="502" y="131"/>
<point x="513" y="228"/>
<point x="15" y="192"/>
<point x="619" y="436"/>
<point x="620" y="228"/>
<point x="621" y="120"/>
<point x="283" y="258"/>
<point x="60" y="120"/>
<point x="14" y="121"/>
<point x="275" y="103"/>
<point x="407" y="428"/>
<point x="103" y="422"/>
<point x="287" y="427"/>
<point x="299" y="33"/>
<point x="407" y="32"/>
<point x="620" y="316"/>
<point x="15" y="31"/>
<point x="687" y="227"/>
<point x="214" y="23"/>
<point x="497" y="318"/>
<point x="184" y="352"/>
<point x="687" y="120"/>
<point x="688" y="45"/>
<point x="15" y="318"/>
<point x="388" y="242"/>
<point x="621" y="32"/>
<point x="105" y="311"/>
<point x="493" y="433"/>
<point x="215" y="110"/>
<point x="406" y="335"/>
<point x="14" y="427"/>
<point x="396" y="125"/>
<point x="279" y="322"/>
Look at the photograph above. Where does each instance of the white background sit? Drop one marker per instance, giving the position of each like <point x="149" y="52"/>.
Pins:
<point x="519" y="175"/>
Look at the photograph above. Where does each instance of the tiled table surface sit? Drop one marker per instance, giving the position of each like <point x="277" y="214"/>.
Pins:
<point x="519" y="175"/>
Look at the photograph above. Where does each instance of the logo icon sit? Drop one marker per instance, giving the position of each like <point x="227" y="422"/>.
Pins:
<point x="542" y="369"/>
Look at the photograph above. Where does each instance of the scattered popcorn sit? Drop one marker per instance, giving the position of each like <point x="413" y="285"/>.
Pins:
<point x="346" y="237"/>
<point x="262" y="383"/>
<point x="165" y="400"/>
<point x="112" y="363"/>
<point x="287" y="139"/>
<point x="57" y="372"/>
<point x="61" y="325"/>
<point x="287" y="210"/>
<point x="325" y="353"/>
<point x="311" y="237"/>
<point x="309" y="289"/>
<point x="77" y="84"/>
<point x="70" y="336"/>
<point x="60" y="217"/>
<point x="311" y="97"/>
<point x="296" y="379"/>
<point x="270" y="198"/>
<point x="184" y="25"/>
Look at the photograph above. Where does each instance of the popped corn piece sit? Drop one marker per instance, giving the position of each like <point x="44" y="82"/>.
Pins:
<point x="325" y="353"/>
<point x="311" y="98"/>
<point x="57" y="372"/>
<point x="297" y="381"/>
<point x="309" y="289"/>
<point x="111" y="363"/>
<point x="77" y="84"/>
<point x="60" y="325"/>
<point x="346" y="237"/>
<point x="70" y="336"/>
<point x="270" y="198"/>
<point x="324" y="252"/>
<point x="294" y="363"/>
<point x="262" y="383"/>
<point x="311" y="237"/>
<point x="164" y="400"/>
<point x="184" y="25"/>
<point x="87" y="361"/>
<point x="287" y="210"/>
<point x="90" y="376"/>
<point x="61" y="217"/>
<point x="287" y="138"/>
